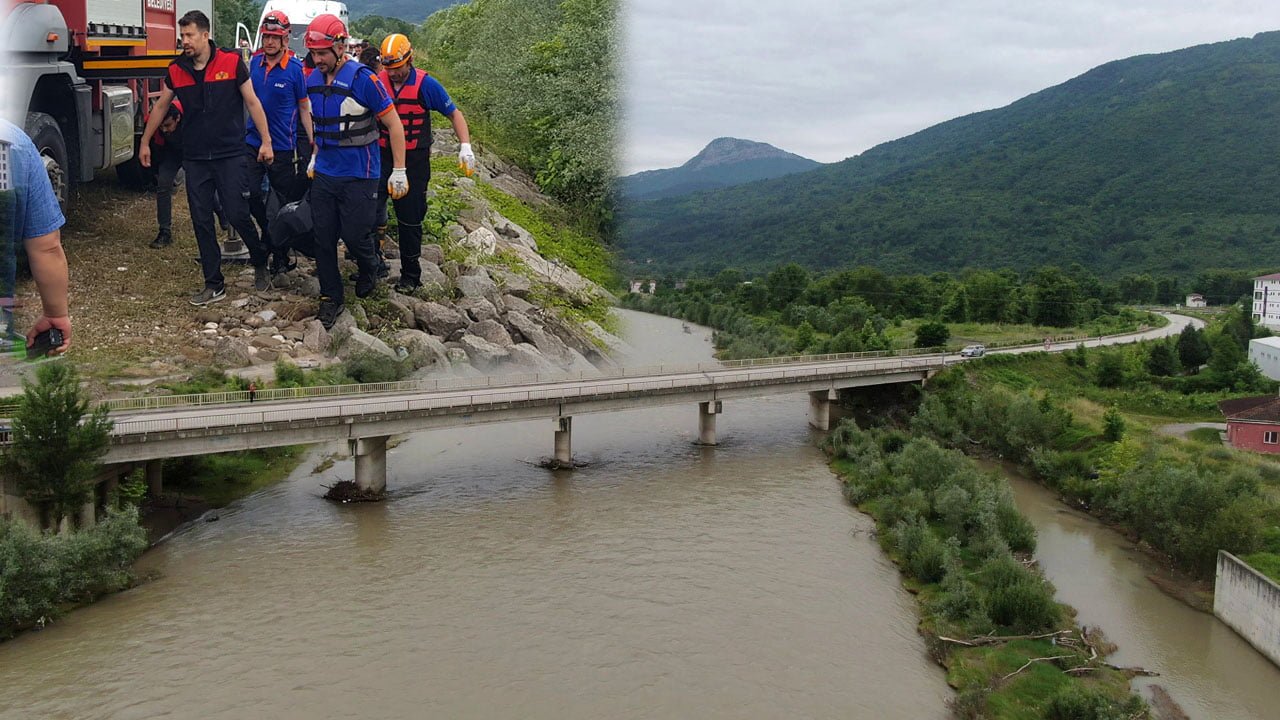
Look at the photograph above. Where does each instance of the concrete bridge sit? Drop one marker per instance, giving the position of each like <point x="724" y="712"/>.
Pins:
<point x="147" y="430"/>
<point x="366" y="420"/>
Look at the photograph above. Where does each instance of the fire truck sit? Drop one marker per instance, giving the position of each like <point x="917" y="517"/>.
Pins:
<point x="81" y="76"/>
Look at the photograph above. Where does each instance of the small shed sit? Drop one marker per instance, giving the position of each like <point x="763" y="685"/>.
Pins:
<point x="1253" y="423"/>
<point x="1196" y="300"/>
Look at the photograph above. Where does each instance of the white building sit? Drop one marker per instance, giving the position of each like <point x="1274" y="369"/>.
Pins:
<point x="1265" y="353"/>
<point x="1266" y="300"/>
<point x="1196" y="300"/>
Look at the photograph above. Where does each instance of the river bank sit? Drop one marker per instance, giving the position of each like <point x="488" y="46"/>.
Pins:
<point x="661" y="577"/>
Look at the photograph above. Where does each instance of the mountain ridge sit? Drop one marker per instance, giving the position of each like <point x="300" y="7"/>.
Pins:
<point x="723" y="162"/>
<point x="1156" y="161"/>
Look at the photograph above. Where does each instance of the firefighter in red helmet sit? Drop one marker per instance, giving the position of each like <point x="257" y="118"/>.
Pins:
<point x="347" y="106"/>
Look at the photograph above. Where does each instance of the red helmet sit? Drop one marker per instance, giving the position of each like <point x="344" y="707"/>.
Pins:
<point x="325" y="31"/>
<point x="275" y="23"/>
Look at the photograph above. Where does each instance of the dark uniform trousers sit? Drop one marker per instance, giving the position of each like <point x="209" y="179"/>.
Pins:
<point x="342" y="207"/>
<point x="280" y="174"/>
<point x="410" y="209"/>
<point x="223" y="177"/>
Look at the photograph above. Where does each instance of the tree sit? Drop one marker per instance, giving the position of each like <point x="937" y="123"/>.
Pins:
<point x="1226" y="355"/>
<point x="1193" y="349"/>
<point x="786" y="284"/>
<point x="1113" y="425"/>
<point x="226" y="13"/>
<point x="1055" y="298"/>
<point x="1110" y="370"/>
<point x="932" y="334"/>
<point x="57" y="441"/>
<point x="1162" y="360"/>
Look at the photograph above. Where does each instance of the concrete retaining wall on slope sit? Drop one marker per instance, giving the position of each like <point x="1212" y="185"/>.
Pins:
<point x="1249" y="602"/>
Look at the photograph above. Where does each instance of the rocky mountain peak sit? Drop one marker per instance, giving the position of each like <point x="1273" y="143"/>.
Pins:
<point x="728" y="150"/>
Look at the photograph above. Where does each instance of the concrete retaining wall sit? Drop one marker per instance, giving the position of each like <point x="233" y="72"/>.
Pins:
<point x="1249" y="602"/>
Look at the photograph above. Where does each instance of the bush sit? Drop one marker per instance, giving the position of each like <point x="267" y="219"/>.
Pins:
<point x="932" y="334"/>
<point x="1077" y="703"/>
<point x="373" y="368"/>
<point x="1109" y="372"/>
<point x="289" y="375"/>
<point x="1112" y="425"/>
<point x="1017" y="598"/>
<point x="925" y="557"/>
<point x="1016" y="530"/>
<point x="40" y="572"/>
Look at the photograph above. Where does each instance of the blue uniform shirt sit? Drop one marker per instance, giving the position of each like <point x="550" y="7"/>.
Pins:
<point x="28" y="207"/>
<point x="434" y="96"/>
<point x="350" y="162"/>
<point x="279" y="88"/>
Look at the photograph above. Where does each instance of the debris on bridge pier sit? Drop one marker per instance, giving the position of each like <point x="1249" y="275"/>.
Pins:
<point x="346" y="491"/>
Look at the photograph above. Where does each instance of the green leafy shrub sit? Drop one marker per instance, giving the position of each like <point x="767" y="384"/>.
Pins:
<point x="370" y="367"/>
<point x="1077" y="703"/>
<point x="1018" y="599"/>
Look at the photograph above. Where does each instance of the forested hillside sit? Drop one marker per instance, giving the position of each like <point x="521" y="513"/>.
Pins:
<point x="1160" y="163"/>
<point x="415" y="11"/>
<point x="724" y="162"/>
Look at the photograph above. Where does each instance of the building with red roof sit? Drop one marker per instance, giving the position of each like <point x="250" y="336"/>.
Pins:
<point x="1253" y="423"/>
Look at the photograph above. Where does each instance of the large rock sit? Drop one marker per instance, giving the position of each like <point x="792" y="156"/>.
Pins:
<point x="400" y="310"/>
<point x="438" y="319"/>
<point x="578" y="339"/>
<point x="512" y="283"/>
<point x="433" y="275"/>
<point x="615" y="345"/>
<point x="577" y="288"/>
<point x="518" y="188"/>
<point x="359" y="342"/>
<point x="492" y="331"/>
<point x="434" y="254"/>
<point x="547" y="343"/>
<point x="483" y="354"/>
<point x="527" y="358"/>
<point x="518" y="304"/>
<point x="477" y="308"/>
<point x="315" y="338"/>
<point x="479" y="286"/>
<point x="424" y="350"/>
<point x="480" y="242"/>
<point x="511" y="233"/>
<point x="231" y="353"/>
<point x="343" y="325"/>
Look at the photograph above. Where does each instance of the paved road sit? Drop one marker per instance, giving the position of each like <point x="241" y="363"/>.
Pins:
<point x="1182" y="429"/>
<point x="1175" y="326"/>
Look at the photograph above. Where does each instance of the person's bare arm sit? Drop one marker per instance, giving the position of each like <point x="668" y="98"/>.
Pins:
<point x="304" y="110"/>
<point x="265" y="154"/>
<point x="158" y="111"/>
<point x="49" y="269"/>
<point x="460" y="126"/>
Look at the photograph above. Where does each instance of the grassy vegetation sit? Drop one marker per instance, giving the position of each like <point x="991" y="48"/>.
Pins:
<point x="959" y="540"/>
<point x="1266" y="563"/>
<point x="222" y="478"/>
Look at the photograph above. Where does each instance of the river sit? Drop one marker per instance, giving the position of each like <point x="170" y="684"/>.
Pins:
<point x="663" y="580"/>
<point x="1207" y="669"/>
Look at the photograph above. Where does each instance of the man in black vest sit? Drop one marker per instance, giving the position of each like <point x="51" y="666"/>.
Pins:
<point x="214" y="88"/>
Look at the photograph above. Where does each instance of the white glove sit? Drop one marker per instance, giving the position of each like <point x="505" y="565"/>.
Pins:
<point x="398" y="184"/>
<point x="311" y="166"/>
<point x="467" y="159"/>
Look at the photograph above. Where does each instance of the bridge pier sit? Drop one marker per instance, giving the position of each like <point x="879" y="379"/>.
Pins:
<point x="820" y="408"/>
<point x="155" y="477"/>
<point x="564" y="442"/>
<point x="371" y="463"/>
<point x="707" y="412"/>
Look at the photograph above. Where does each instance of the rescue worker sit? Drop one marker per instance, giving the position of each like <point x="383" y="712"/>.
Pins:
<point x="280" y="86"/>
<point x="347" y="104"/>
<point x="213" y="85"/>
<point x="415" y="94"/>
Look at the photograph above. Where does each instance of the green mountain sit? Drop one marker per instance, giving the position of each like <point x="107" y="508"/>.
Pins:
<point x="1159" y="163"/>
<point x="414" y="11"/>
<point x="724" y="162"/>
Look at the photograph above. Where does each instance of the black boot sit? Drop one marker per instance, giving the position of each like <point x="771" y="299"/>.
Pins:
<point x="163" y="239"/>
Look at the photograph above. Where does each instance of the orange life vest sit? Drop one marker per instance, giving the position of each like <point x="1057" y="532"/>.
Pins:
<point x="414" y="115"/>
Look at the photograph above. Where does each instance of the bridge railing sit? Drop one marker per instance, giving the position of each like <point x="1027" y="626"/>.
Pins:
<point x="160" y="402"/>
<point x="597" y="387"/>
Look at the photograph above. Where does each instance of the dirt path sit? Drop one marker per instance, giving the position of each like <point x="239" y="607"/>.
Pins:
<point x="1182" y="429"/>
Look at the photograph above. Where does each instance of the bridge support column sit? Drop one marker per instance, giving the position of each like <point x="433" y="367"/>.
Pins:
<point x="820" y="409"/>
<point x="371" y="463"/>
<point x="155" y="477"/>
<point x="564" y="442"/>
<point x="707" y="413"/>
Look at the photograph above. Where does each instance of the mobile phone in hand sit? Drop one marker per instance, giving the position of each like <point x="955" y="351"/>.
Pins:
<point x="45" y="342"/>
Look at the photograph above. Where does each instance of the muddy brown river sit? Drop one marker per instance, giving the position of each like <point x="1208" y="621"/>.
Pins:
<point x="664" y="580"/>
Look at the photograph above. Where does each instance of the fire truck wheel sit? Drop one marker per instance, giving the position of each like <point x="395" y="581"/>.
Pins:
<point x="47" y="136"/>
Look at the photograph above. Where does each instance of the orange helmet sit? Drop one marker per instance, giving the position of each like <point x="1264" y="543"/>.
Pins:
<point x="325" y="31"/>
<point x="396" y="51"/>
<point x="275" y="23"/>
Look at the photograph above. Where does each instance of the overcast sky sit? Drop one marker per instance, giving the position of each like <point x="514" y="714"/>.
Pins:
<point x="828" y="79"/>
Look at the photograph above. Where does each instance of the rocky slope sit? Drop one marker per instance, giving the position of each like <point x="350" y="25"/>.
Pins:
<point x="490" y="303"/>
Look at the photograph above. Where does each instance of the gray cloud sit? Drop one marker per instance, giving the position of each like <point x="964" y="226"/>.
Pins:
<point x="830" y="78"/>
